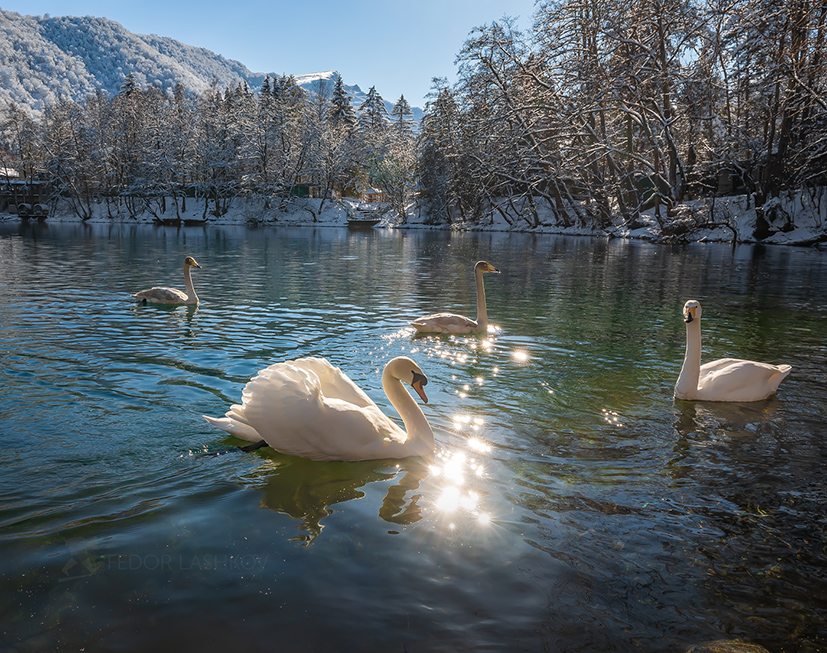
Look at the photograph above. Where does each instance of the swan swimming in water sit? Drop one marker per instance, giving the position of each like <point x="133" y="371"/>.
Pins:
<point x="451" y="323"/>
<point x="163" y="295"/>
<point x="727" y="379"/>
<point x="309" y="408"/>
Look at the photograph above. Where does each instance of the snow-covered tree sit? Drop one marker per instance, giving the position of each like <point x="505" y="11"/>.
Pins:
<point x="439" y="151"/>
<point x="72" y="156"/>
<point x="373" y="115"/>
<point x="402" y="115"/>
<point x="341" y="114"/>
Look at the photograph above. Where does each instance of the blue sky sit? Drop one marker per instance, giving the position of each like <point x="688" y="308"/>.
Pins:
<point x="396" y="46"/>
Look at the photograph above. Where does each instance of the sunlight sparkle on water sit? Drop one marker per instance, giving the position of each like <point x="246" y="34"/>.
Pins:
<point x="457" y="472"/>
<point x="453" y="499"/>
<point x="520" y="355"/>
<point x="611" y="417"/>
<point x="480" y="445"/>
<point x="405" y="332"/>
<point x="449" y="500"/>
<point x="466" y="421"/>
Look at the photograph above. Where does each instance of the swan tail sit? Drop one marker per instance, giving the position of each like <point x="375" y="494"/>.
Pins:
<point x="419" y="326"/>
<point x="782" y="373"/>
<point x="234" y="427"/>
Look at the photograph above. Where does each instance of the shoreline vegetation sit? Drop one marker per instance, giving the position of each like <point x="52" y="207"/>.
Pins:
<point x="798" y="219"/>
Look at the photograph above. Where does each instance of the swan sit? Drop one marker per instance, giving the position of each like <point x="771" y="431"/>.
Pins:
<point x="162" y="295"/>
<point x="309" y="408"/>
<point x="450" y="323"/>
<point x="727" y="379"/>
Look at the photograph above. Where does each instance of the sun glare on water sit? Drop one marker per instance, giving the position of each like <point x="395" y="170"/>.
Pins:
<point x="458" y="474"/>
<point x="520" y="355"/>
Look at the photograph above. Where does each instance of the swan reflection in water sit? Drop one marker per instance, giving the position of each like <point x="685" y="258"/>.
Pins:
<point x="721" y="432"/>
<point x="712" y="417"/>
<point x="444" y="487"/>
<point x="306" y="489"/>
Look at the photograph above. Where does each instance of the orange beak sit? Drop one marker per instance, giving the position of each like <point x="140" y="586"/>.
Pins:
<point x="417" y="385"/>
<point x="419" y="380"/>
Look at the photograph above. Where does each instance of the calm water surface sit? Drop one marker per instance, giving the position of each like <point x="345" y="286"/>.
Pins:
<point x="571" y="505"/>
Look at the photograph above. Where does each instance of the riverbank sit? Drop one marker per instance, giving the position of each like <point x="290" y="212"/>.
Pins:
<point x="795" y="219"/>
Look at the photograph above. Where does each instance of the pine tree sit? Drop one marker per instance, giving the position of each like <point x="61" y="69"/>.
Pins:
<point x="129" y="86"/>
<point x="341" y="113"/>
<point x="373" y="115"/>
<point x="402" y="114"/>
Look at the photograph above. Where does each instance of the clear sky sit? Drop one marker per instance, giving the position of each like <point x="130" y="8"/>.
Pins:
<point x="396" y="46"/>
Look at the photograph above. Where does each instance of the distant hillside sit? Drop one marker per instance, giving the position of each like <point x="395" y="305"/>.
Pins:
<point x="44" y="60"/>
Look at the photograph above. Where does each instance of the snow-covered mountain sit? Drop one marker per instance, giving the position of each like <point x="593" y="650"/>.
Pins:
<point x="45" y="59"/>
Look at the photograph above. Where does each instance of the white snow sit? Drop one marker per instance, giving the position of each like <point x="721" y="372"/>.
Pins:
<point x="808" y="213"/>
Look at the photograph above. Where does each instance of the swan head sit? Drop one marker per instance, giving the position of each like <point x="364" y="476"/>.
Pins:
<point x="485" y="266"/>
<point x="190" y="262"/>
<point x="404" y="369"/>
<point x="691" y="311"/>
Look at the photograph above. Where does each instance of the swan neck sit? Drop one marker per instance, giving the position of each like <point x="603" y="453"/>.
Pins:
<point x="690" y="372"/>
<point x="417" y="427"/>
<point x="192" y="298"/>
<point x="482" y="313"/>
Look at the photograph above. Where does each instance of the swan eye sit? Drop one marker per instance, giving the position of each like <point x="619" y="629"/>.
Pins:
<point x="419" y="378"/>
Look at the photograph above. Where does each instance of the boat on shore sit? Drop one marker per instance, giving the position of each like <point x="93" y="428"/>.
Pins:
<point x="366" y="223"/>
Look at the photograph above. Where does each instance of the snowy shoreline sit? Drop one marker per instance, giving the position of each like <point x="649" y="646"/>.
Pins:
<point x="799" y="220"/>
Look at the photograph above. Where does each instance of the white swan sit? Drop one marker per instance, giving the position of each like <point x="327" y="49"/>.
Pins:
<point x="727" y="379"/>
<point x="162" y="295"/>
<point x="451" y="323"/>
<point x="308" y="408"/>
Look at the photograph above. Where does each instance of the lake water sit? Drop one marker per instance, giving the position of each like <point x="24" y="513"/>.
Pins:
<point x="571" y="505"/>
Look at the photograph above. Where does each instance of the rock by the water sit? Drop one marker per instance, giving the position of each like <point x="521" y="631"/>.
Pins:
<point x="726" y="646"/>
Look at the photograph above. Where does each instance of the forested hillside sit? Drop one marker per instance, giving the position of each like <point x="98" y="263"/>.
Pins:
<point x="44" y="60"/>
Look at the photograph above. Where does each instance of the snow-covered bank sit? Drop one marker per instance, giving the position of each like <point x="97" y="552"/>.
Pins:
<point x="799" y="219"/>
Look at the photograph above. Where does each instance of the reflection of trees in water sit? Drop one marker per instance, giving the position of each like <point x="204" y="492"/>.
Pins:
<point x="756" y="491"/>
<point x="306" y="489"/>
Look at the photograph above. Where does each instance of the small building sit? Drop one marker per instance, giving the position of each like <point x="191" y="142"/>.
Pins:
<point x="25" y="198"/>
<point x="373" y="195"/>
<point x="314" y="191"/>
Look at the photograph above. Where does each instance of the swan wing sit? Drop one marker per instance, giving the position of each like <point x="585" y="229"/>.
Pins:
<point x="733" y="379"/>
<point x="335" y="384"/>
<point x="444" y="323"/>
<point x="161" y="295"/>
<point x="720" y="364"/>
